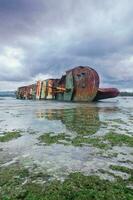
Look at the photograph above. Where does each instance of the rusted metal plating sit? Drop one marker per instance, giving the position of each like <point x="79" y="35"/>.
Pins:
<point x="80" y="84"/>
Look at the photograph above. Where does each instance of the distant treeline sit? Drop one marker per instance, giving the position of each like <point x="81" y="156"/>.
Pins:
<point x="7" y="93"/>
<point x="126" y="93"/>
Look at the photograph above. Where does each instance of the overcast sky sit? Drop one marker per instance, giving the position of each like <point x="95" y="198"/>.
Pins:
<point x="43" y="38"/>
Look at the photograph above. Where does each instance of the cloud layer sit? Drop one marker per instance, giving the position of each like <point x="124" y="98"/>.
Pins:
<point x="41" y="39"/>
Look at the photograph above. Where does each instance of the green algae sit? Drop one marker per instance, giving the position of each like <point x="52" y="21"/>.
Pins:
<point x="9" y="136"/>
<point x="119" y="139"/>
<point x="75" y="187"/>
<point x="110" y="174"/>
<point x="62" y="138"/>
<point x="50" y="138"/>
<point x="123" y="169"/>
<point x="96" y="142"/>
<point x="80" y="187"/>
<point x="11" y="179"/>
<point x="14" y="179"/>
<point x="103" y="142"/>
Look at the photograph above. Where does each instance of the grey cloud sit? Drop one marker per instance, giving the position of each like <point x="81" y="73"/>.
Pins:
<point x="56" y="35"/>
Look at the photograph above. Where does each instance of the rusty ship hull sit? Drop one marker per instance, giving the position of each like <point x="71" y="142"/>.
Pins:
<point x="80" y="84"/>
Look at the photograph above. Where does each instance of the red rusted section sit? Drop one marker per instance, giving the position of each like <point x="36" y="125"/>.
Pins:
<point x="86" y="83"/>
<point x="105" y="93"/>
<point x="26" y="92"/>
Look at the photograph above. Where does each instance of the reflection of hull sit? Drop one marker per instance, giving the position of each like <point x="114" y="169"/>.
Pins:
<point x="81" y="120"/>
<point x="80" y="84"/>
<point x="105" y="93"/>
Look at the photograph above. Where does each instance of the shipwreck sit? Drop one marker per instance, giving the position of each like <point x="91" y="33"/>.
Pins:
<point x="80" y="84"/>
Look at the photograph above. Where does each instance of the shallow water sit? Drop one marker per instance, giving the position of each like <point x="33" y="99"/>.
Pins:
<point x="35" y="118"/>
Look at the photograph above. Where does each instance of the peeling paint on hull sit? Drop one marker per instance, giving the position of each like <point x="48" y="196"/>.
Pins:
<point x="80" y="84"/>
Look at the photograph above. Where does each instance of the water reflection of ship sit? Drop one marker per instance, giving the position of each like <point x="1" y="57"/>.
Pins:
<point x="83" y="120"/>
